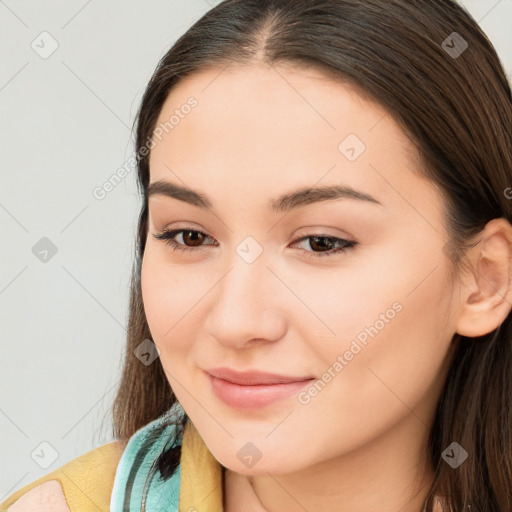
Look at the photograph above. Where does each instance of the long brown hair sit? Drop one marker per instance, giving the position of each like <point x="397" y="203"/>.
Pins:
<point x="450" y="94"/>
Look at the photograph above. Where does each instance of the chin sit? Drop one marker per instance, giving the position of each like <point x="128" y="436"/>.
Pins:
<point x="274" y="464"/>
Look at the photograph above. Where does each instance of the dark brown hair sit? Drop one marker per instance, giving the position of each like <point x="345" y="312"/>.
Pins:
<point x="457" y="109"/>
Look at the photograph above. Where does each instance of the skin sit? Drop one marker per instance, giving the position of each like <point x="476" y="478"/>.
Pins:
<point x="360" y="443"/>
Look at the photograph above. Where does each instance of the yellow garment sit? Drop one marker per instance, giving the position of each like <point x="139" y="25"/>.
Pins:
<point x="201" y="485"/>
<point x="87" y="480"/>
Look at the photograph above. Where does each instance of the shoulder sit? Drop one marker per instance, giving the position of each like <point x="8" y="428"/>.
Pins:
<point x="98" y="480"/>
<point x="84" y="483"/>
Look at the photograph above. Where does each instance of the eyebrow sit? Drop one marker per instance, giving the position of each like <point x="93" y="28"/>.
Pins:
<point x="283" y="203"/>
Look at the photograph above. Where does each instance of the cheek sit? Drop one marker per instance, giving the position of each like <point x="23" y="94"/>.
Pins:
<point x="388" y="358"/>
<point x="343" y="307"/>
<point x="166" y="300"/>
<point x="392" y="335"/>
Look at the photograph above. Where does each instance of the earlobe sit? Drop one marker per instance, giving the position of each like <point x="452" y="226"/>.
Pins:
<point x="487" y="297"/>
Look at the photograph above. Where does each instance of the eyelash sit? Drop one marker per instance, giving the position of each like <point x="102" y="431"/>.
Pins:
<point x="168" y="237"/>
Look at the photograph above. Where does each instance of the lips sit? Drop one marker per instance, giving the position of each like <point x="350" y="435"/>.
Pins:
<point x="253" y="389"/>
<point x="254" y="377"/>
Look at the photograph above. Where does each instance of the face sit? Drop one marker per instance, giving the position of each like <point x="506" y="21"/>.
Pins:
<point x="349" y="291"/>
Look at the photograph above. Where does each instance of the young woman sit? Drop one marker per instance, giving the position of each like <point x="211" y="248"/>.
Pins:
<point x="320" y="307"/>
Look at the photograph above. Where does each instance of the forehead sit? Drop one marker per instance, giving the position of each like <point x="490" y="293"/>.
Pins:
<point x="262" y="128"/>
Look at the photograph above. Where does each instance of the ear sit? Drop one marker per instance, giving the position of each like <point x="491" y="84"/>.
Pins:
<point x="486" y="296"/>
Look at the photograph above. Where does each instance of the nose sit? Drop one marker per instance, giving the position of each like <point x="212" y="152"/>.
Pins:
<point x="247" y="305"/>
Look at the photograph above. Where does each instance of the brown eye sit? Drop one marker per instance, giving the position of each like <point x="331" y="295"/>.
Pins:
<point x="195" y="237"/>
<point x="325" y="245"/>
<point x="192" y="239"/>
<point x="322" y="246"/>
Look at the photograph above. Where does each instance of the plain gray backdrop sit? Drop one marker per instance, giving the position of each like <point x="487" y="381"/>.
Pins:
<point x="71" y="79"/>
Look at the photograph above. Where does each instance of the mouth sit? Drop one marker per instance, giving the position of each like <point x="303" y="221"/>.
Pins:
<point x="254" y="377"/>
<point x="254" y="390"/>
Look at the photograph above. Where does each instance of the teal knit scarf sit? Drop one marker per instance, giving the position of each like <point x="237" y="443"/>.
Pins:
<point x="138" y="486"/>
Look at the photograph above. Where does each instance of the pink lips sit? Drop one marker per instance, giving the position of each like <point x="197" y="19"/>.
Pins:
<point x="253" y="389"/>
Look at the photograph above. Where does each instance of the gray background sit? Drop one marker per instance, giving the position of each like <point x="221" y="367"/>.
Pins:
<point x="65" y="129"/>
